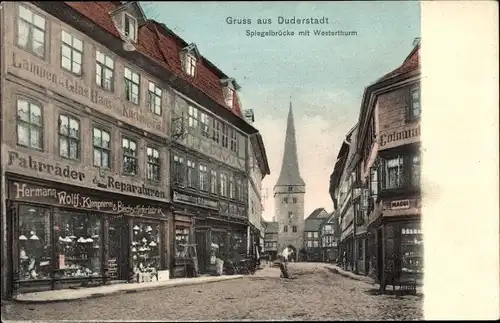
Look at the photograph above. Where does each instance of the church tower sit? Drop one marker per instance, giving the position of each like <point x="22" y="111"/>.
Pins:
<point x="289" y="193"/>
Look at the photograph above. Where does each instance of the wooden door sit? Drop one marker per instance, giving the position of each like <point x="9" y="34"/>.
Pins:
<point x="202" y="250"/>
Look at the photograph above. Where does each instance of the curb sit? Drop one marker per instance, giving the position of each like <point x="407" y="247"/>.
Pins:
<point x="351" y="276"/>
<point x="126" y="291"/>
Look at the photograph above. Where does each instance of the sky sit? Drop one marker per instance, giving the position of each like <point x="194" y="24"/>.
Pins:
<point x="324" y="76"/>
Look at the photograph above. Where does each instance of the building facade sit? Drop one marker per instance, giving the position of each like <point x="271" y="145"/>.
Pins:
<point x="258" y="168"/>
<point x="289" y="194"/>
<point x="271" y="240"/>
<point x="388" y="144"/>
<point x="312" y="235"/>
<point x="85" y="186"/>
<point x="329" y="238"/>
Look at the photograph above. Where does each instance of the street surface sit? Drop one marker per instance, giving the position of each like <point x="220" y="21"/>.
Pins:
<point x="316" y="293"/>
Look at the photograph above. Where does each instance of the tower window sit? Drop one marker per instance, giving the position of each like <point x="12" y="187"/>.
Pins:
<point x="294" y="200"/>
<point x="285" y="228"/>
<point x="285" y="200"/>
<point x="294" y="228"/>
<point x="290" y="188"/>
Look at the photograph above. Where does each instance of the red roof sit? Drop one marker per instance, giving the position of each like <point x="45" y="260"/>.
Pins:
<point x="411" y="63"/>
<point x="161" y="45"/>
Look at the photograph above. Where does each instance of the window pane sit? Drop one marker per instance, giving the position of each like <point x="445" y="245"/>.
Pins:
<point x="39" y="21"/>
<point x="105" y="159"/>
<point x="128" y="74"/>
<point x="35" y="137"/>
<point x="38" y="36"/>
<point x="105" y="140"/>
<point x="99" y="57"/>
<point x="109" y="62"/>
<point x="23" y="110"/>
<point x="79" y="244"/>
<point x="63" y="147"/>
<point x="97" y="157"/>
<point x="77" y="44"/>
<point x="23" y="134"/>
<point x="73" y="149"/>
<point x="23" y="34"/>
<point x="135" y="78"/>
<point x="77" y="57"/>
<point x="25" y="13"/>
<point x="34" y="243"/>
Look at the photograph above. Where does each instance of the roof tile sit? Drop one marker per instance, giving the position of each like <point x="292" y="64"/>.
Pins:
<point x="164" y="47"/>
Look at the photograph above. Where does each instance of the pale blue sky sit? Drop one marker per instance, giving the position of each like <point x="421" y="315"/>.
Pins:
<point x="325" y="75"/>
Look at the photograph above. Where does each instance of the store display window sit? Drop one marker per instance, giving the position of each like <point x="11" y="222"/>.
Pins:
<point x="78" y="243"/>
<point x="146" y="247"/>
<point x="181" y="240"/>
<point x="34" y="240"/>
<point x="237" y="244"/>
<point x="412" y="258"/>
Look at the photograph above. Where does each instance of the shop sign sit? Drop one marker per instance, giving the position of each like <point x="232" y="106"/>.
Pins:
<point x="196" y="200"/>
<point x="67" y="173"/>
<point x="29" y="192"/>
<point x="55" y="79"/>
<point x="401" y="204"/>
<point x="394" y="138"/>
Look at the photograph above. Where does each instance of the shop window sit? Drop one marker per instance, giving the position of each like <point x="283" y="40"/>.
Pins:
<point x="69" y="137"/>
<point x="102" y="148"/>
<point x="35" y="252"/>
<point x="104" y="72"/>
<point x="225" y="134"/>
<point x="193" y="117"/>
<point x="130" y="165"/>
<point x="178" y="170"/>
<point x="146" y="247"/>
<point x="213" y="182"/>
<point x="71" y="53"/>
<point x="29" y="124"/>
<point x="216" y="130"/>
<point x="232" y="188"/>
<point x="132" y="86"/>
<point x="181" y="239"/>
<point x="154" y="98"/>
<point x="218" y="246"/>
<point x="237" y="244"/>
<point x="153" y="164"/>
<point x="223" y="184"/>
<point x="31" y="31"/>
<point x="203" y="174"/>
<point x="191" y="174"/>
<point x="79" y="244"/>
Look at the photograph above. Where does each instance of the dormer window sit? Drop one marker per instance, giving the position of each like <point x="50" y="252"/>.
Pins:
<point x="130" y="27"/>
<point x="190" y="65"/>
<point x="229" y="85"/>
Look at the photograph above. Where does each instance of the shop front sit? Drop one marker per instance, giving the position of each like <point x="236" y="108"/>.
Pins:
<point x="62" y="235"/>
<point x="188" y="249"/>
<point x="396" y="240"/>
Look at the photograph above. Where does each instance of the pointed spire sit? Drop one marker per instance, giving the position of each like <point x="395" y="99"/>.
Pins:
<point x="290" y="173"/>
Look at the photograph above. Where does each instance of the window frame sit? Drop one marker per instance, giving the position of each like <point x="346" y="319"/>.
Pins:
<point x="102" y="66"/>
<point x="131" y="18"/>
<point x="29" y="124"/>
<point x="408" y="172"/>
<point x="294" y="228"/>
<point x="285" y="228"/>
<point x="233" y="140"/>
<point x="153" y="95"/>
<point x="30" y="24"/>
<point x="129" y="85"/>
<point x="179" y="171"/>
<point x="213" y="182"/>
<point x="216" y="130"/>
<point x="190" y="64"/>
<point x="68" y="136"/>
<point x="204" y="123"/>
<point x="153" y="164"/>
<point x="203" y="177"/>
<point x="191" y="173"/>
<point x="225" y="135"/>
<point x="72" y="50"/>
<point x="410" y="116"/>
<point x="229" y="97"/>
<point x="223" y="178"/>
<point x="232" y="187"/>
<point x="193" y="117"/>
<point x="125" y="156"/>
<point x="102" y="148"/>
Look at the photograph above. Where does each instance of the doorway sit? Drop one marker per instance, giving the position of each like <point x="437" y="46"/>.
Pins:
<point x="119" y="246"/>
<point x="202" y="250"/>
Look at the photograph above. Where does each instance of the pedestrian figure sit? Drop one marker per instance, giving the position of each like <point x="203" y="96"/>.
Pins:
<point x="344" y="261"/>
<point x="283" y="263"/>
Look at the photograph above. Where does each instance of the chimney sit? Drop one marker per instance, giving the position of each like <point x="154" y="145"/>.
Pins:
<point x="416" y="41"/>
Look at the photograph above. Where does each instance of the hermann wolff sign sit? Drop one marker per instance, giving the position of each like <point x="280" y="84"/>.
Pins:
<point x="87" y="177"/>
<point x="29" y="68"/>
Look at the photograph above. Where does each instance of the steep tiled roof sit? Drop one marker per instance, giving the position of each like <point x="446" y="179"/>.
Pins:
<point x="159" y="43"/>
<point x="411" y="63"/>
<point x="313" y="224"/>
<point x="271" y="227"/>
<point x="318" y="213"/>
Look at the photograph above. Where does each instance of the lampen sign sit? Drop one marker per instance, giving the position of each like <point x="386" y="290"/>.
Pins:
<point x="35" y="193"/>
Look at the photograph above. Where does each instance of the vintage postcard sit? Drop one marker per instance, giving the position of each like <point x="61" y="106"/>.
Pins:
<point x="222" y="161"/>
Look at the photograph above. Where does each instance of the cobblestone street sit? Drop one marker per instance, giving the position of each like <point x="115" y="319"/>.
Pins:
<point x="316" y="293"/>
